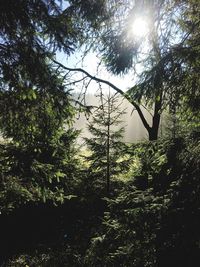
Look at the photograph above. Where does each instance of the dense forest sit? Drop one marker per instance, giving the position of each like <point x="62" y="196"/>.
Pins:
<point x="108" y="203"/>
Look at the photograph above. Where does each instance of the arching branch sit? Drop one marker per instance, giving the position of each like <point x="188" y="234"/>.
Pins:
<point x="118" y="90"/>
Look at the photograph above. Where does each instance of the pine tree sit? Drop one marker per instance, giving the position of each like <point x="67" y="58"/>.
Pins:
<point x="106" y="146"/>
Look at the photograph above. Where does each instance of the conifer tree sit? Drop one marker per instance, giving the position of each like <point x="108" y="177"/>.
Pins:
<point x="106" y="143"/>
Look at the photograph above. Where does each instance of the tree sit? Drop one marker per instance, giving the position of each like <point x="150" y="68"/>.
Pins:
<point x="31" y="32"/>
<point x="40" y="172"/>
<point x="127" y="235"/>
<point x="164" y="63"/>
<point x="155" y="225"/>
<point x="34" y="101"/>
<point x="106" y="146"/>
<point x="25" y="25"/>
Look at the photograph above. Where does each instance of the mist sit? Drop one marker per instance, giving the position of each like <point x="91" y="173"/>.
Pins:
<point x="134" y="129"/>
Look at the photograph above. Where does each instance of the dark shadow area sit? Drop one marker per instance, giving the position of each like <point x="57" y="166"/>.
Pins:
<point x="37" y="227"/>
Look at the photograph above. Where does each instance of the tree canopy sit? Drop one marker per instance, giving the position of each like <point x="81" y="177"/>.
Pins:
<point x="163" y="53"/>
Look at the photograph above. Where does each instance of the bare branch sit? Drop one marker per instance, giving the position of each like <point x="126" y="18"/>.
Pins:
<point x="118" y="90"/>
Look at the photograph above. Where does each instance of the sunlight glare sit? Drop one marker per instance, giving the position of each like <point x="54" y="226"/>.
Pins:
<point x="139" y="28"/>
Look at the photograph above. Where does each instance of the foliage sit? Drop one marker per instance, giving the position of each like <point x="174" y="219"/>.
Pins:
<point x="168" y="55"/>
<point x="107" y="158"/>
<point x="33" y="117"/>
<point x="152" y="223"/>
<point x="151" y="219"/>
<point x="30" y="31"/>
<point x="128" y="232"/>
<point x="64" y="256"/>
<point x="155" y="225"/>
<point x="45" y="172"/>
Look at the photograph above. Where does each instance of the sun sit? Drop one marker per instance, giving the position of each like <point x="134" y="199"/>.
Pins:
<point x="139" y="28"/>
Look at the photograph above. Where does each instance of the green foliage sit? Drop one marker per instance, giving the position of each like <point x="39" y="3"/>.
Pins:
<point x="46" y="172"/>
<point x="38" y="163"/>
<point x="168" y="55"/>
<point x="152" y="225"/>
<point x="64" y="256"/>
<point x="107" y="159"/>
<point x="89" y="13"/>
<point x="128" y="231"/>
<point x="30" y="32"/>
<point x="155" y="224"/>
<point x="33" y="117"/>
<point x="150" y="220"/>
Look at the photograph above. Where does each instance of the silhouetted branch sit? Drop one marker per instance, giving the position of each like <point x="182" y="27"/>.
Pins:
<point x="118" y="90"/>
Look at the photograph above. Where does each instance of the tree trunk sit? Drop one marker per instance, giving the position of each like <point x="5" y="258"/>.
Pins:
<point x="108" y="150"/>
<point x="108" y="163"/>
<point x="153" y="134"/>
<point x="153" y="131"/>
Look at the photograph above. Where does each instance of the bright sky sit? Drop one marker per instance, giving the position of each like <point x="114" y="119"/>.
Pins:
<point x="138" y="29"/>
<point x="90" y="64"/>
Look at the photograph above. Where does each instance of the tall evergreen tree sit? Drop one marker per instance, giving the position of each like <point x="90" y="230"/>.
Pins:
<point x="106" y="145"/>
<point x="31" y="33"/>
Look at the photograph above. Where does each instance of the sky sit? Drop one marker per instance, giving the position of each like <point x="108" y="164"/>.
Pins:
<point x="134" y="129"/>
<point x="138" y="29"/>
<point x="90" y="64"/>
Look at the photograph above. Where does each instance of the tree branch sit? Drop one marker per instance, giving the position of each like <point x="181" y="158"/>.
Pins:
<point x="118" y="90"/>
